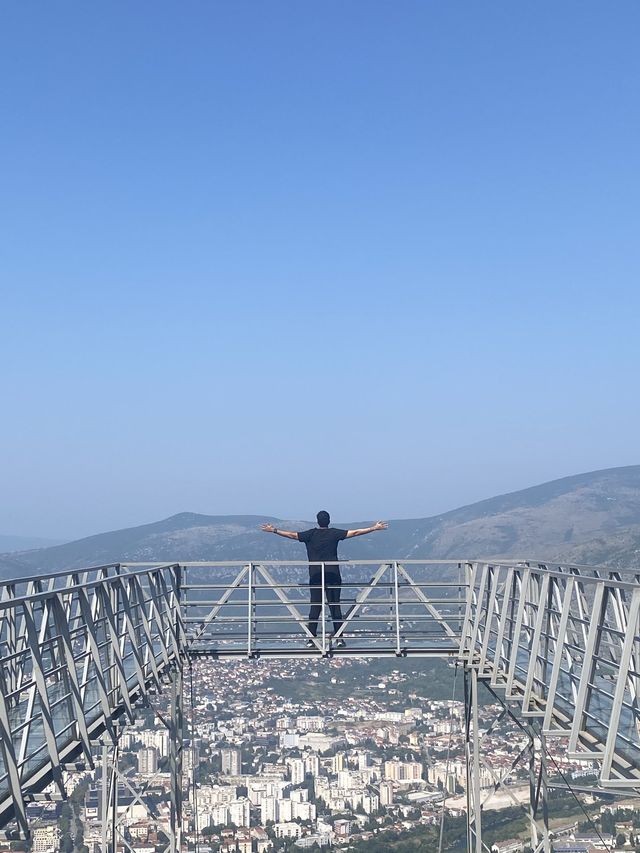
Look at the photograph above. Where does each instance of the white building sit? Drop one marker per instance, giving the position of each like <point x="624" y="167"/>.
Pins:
<point x="386" y="793"/>
<point x="370" y="803"/>
<point x="304" y="811"/>
<point x="215" y="795"/>
<point x="364" y="760"/>
<point x="342" y="828"/>
<point x="259" y="788"/>
<point x="147" y="760"/>
<point x="239" y="812"/>
<point x="269" y="810"/>
<point x="318" y="741"/>
<point x="287" y="830"/>
<point x="190" y="759"/>
<point x="310" y="724"/>
<point x="157" y="738"/>
<point x="321" y="839"/>
<point x="231" y="761"/>
<point x="289" y="740"/>
<point x="285" y="810"/>
<point x="45" y="838"/>
<point x="312" y="763"/>
<point x="213" y="816"/>
<point x="296" y="769"/>
<point x="345" y="778"/>
<point x="403" y="771"/>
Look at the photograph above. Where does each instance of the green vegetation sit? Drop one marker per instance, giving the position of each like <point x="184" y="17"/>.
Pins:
<point x="434" y="679"/>
<point x="421" y="838"/>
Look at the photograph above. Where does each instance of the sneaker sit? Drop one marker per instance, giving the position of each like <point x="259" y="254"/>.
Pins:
<point x="340" y="643"/>
<point x="310" y="644"/>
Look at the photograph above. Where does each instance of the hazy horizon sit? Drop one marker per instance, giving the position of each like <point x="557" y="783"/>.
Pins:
<point x="309" y="516"/>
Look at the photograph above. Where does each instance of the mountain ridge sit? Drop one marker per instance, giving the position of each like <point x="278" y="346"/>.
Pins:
<point x="588" y="518"/>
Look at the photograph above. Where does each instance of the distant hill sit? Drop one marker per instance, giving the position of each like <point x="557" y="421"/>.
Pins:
<point x="22" y="543"/>
<point x="589" y="518"/>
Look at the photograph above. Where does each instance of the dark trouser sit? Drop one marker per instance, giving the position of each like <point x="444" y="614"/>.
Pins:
<point x="332" y="581"/>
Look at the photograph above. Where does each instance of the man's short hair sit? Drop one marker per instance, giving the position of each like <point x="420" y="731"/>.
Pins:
<point x="323" y="518"/>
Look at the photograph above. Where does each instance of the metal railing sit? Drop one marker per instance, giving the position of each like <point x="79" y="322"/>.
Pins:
<point x="77" y="650"/>
<point x="563" y="645"/>
<point x="261" y="609"/>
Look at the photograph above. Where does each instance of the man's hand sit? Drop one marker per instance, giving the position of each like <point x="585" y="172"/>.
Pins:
<point x="379" y="525"/>
<point x="271" y="528"/>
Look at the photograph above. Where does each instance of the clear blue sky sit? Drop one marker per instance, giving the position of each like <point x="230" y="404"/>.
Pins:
<point x="269" y="257"/>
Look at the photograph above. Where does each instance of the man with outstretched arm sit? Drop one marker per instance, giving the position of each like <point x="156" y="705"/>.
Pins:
<point x="322" y="547"/>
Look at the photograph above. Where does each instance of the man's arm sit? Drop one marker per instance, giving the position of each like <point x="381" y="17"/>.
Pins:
<point x="288" y="534"/>
<point x="379" y="525"/>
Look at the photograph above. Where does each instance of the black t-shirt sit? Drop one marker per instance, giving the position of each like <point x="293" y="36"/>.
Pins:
<point x="322" y="544"/>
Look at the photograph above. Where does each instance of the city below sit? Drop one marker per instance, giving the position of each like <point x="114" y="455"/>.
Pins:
<point x="292" y="755"/>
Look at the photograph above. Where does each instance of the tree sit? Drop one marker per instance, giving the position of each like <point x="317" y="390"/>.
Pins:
<point x="607" y="823"/>
<point x="79" y="838"/>
<point x="66" y="816"/>
<point x="77" y="796"/>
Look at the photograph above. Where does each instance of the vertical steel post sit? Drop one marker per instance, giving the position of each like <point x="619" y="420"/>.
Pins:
<point x="176" y="737"/>
<point x="104" y="796"/>
<point x="467" y="754"/>
<point x="476" y="761"/>
<point x="176" y="740"/>
<point x="533" y="827"/>
<point x="540" y="841"/>
<point x="114" y="798"/>
<point x="12" y="644"/>
<point x="322" y="611"/>
<point x="472" y="749"/>
<point x="397" y="606"/>
<point x="250" y="612"/>
<point x="543" y="794"/>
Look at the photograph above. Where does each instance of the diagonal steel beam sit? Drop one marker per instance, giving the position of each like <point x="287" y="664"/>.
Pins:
<point x="560" y="640"/>
<point x="62" y="625"/>
<point x="92" y="642"/>
<point x="134" y="639"/>
<point x="362" y="597"/>
<point x="116" y="650"/>
<point x="7" y="749"/>
<point x="224" y="598"/>
<point x="40" y="680"/>
<point x="145" y="627"/>
<point x="291" y="607"/>
<point x="428" y="605"/>
<point x="631" y="637"/>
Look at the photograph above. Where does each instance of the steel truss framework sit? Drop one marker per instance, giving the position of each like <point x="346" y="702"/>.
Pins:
<point x="114" y="815"/>
<point x="558" y="645"/>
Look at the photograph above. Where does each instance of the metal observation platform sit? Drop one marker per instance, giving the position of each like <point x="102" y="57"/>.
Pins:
<point x="557" y="646"/>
